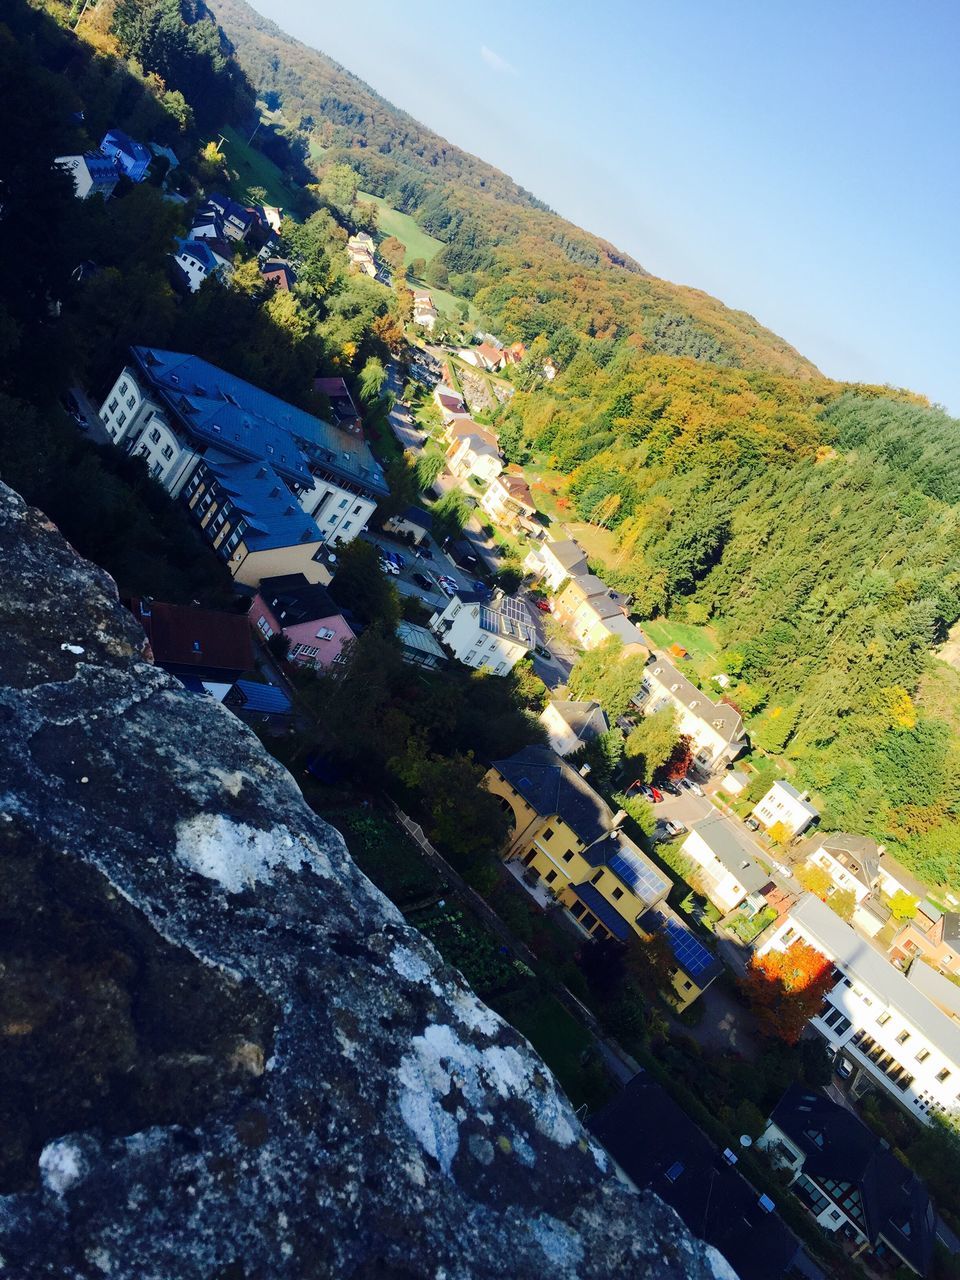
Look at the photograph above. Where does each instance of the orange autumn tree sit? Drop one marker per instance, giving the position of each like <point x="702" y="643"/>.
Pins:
<point x="786" y="989"/>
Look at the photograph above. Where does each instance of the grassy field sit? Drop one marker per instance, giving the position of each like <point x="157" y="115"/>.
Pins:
<point x="417" y="243"/>
<point x="599" y="544"/>
<point x="699" y="642"/>
<point x="251" y="168"/>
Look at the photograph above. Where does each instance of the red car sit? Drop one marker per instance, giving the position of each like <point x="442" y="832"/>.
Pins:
<point x="544" y="606"/>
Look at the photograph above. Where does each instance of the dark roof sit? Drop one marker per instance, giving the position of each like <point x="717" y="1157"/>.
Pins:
<point x="247" y="695"/>
<point x="567" y="553"/>
<point x="935" y="986"/>
<point x="205" y="639"/>
<point x="292" y="600"/>
<point x="417" y="515"/>
<point x="692" y="956"/>
<point x="951" y="927"/>
<point x="659" y="1147"/>
<point x="585" y="720"/>
<point x="897" y="871"/>
<point x="857" y="854"/>
<point x="837" y="1144"/>
<point x="551" y="786"/>
<point x="605" y="911"/>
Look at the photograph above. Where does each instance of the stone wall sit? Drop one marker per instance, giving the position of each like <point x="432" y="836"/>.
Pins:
<point x="223" y="1054"/>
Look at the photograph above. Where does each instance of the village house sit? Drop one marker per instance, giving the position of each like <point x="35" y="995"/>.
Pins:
<point x="554" y="562"/>
<point x="451" y="405"/>
<point x="570" y="843"/>
<point x="852" y="862"/>
<point x="725" y="862"/>
<point x="279" y="272"/>
<point x="236" y="219"/>
<point x="343" y="410"/>
<point x="512" y="354"/>
<point x="851" y="1182"/>
<point x="493" y="633"/>
<point x="785" y="807"/>
<point x="269" y="484"/>
<point x="207" y="224"/>
<point x="131" y="158"/>
<point x="418" y="646"/>
<point x="882" y="1030"/>
<point x="206" y="649"/>
<point x="508" y="500"/>
<point x="360" y="252"/>
<point x="933" y="936"/>
<point x="196" y="260"/>
<point x="259" y="703"/>
<point x="571" y="725"/>
<point x="715" y="728"/>
<point x="425" y="313"/>
<point x="92" y="174"/>
<point x="414" y="521"/>
<point x="474" y="453"/>
<point x="306" y="615"/>
<point x="487" y="355"/>
<point x="594" y="612"/>
<point x="893" y="877"/>
<point x="734" y="782"/>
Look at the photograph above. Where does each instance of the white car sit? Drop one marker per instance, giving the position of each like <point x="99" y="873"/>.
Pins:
<point x="447" y="585"/>
<point x="389" y="567"/>
<point x="690" y="785"/>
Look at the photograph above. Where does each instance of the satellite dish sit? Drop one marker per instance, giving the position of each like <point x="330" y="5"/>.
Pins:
<point x="746" y="1140"/>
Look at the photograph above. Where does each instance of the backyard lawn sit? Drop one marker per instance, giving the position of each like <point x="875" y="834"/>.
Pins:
<point x="254" y="169"/>
<point x="417" y="242"/>
<point x="700" y="642"/>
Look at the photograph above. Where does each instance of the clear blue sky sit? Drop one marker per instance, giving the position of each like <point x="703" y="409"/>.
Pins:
<point x="799" y="161"/>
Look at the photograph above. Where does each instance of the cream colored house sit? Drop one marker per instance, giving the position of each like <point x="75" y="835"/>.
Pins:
<point x="726" y="862"/>
<point x="786" y="807"/>
<point x="852" y="862"/>
<point x="507" y="500"/>
<point x="473" y="455"/>
<point x="571" y="725"/>
<point x="715" y="728"/>
<point x="554" y="562"/>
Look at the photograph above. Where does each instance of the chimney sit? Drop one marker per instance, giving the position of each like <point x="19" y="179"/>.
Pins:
<point x="584" y="770"/>
<point x="618" y="818"/>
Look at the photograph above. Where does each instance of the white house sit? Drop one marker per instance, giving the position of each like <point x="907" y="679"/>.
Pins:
<point x="508" y="499"/>
<point x="495" y="634"/>
<point x="196" y="260"/>
<point x="715" y="728"/>
<point x="735" y="783"/>
<point x="474" y="455"/>
<point x="92" y="173"/>
<point x="725" y="861"/>
<point x="889" y="1033"/>
<point x="571" y="725"/>
<point x="852" y="862"/>
<point x="425" y="313"/>
<point x="785" y="805"/>
<point x="360" y="252"/>
<point x="268" y="483"/>
<point x="850" y="1180"/>
<point x="553" y="562"/>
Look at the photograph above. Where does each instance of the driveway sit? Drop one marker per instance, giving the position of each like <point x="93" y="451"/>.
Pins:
<point x="726" y="1024"/>
<point x="95" y="431"/>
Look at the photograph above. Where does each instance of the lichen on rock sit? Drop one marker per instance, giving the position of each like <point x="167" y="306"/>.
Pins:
<point x="223" y="1054"/>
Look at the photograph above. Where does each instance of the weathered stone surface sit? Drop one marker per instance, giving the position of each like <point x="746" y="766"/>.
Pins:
<point x="264" y="1072"/>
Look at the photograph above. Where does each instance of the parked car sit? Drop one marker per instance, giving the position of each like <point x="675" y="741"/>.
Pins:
<point x="422" y="580"/>
<point x="675" y="828"/>
<point x="843" y="1067"/>
<point x="672" y="788"/>
<point x="397" y="559"/>
<point x="544" y="606"/>
<point x="752" y="823"/>
<point x="544" y="652"/>
<point x="482" y="588"/>
<point x="388" y="566"/>
<point x="688" y="784"/>
<point x="447" y="585"/>
<point x="657" y="794"/>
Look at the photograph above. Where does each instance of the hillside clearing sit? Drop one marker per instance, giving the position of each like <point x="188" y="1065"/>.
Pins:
<point x="253" y="169"/>
<point x="417" y="243"/>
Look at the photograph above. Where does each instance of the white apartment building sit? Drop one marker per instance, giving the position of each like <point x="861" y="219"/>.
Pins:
<point x="494" y="634"/>
<point x="891" y="1034"/>
<point x="507" y="500"/>
<point x="726" y="864"/>
<point x="473" y="455"/>
<point x="554" y="562"/>
<point x="93" y="174"/>
<point x="785" y="805"/>
<point x="715" y="728"/>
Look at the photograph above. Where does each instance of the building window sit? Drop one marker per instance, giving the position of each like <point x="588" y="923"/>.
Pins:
<point x="883" y="1019"/>
<point x="790" y="934"/>
<point x="577" y="910"/>
<point x="265" y="627"/>
<point x="131" y="401"/>
<point x="547" y="833"/>
<point x="944" y="1075"/>
<point x="155" y="436"/>
<point x="598" y="877"/>
<point x="616" y="894"/>
<point x="167" y="452"/>
<point x="903" y="1037"/>
<point x="122" y="388"/>
<point x="113" y="405"/>
<point x="550" y="877"/>
<point x="347" y="524"/>
<point x="567" y="857"/>
<point x="121" y="419"/>
<point x="589" y="921"/>
<point x="342" y="503"/>
<point x="923" y="1055"/>
<point x="357" y="509"/>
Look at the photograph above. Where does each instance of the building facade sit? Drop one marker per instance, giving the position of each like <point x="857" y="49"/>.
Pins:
<point x="784" y="806"/>
<point x="554" y="562"/>
<point x="890" y="1034"/>
<point x="92" y="174"/>
<point x="571" y="725"/>
<point x="715" y="728"/>
<point x="494" y="634"/>
<point x="726" y="866"/>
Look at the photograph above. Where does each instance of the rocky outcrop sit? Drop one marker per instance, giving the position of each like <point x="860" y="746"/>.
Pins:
<point x="223" y="1054"/>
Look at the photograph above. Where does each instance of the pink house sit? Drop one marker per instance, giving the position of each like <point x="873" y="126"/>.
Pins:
<point x="305" y="614"/>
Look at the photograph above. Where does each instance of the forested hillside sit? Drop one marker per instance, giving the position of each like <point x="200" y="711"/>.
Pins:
<point x="529" y="271"/>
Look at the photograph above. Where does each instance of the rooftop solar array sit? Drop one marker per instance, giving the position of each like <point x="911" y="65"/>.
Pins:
<point x="639" y="875"/>
<point x="508" y="618"/>
<point x="690" y="953"/>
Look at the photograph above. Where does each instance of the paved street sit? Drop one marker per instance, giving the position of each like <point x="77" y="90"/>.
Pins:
<point x="96" y="431"/>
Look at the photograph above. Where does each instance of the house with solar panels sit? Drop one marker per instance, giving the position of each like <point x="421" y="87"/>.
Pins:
<point x="271" y="486"/>
<point x="494" y="633"/>
<point x="567" y="840"/>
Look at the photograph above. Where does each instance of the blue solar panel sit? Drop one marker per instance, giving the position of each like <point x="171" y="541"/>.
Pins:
<point x="690" y="954"/>
<point x="638" y="875"/>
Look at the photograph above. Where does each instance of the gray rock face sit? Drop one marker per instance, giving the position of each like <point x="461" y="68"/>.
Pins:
<point x="226" y="1054"/>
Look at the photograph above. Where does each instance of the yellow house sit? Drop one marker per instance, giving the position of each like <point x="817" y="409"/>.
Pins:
<point x="568" y="837"/>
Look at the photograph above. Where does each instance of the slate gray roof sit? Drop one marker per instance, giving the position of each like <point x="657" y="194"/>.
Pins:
<point x="796" y="796"/>
<point x="618" y="625"/>
<point x="551" y="786"/>
<point x="859" y="959"/>
<point x="857" y="854"/>
<point x="905" y="878"/>
<point x="567" y="553"/>
<point x="931" y="983"/>
<point x="837" y="1145"/>
<point x="730" y="849"/>
<point x="719" y="715"/>
<point x="585" y="720"/>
